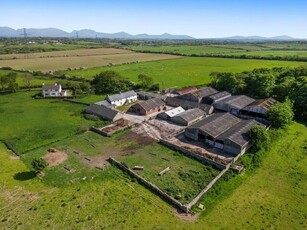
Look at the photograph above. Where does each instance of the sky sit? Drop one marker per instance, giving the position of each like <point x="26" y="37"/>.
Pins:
<point x="197" y="18"/>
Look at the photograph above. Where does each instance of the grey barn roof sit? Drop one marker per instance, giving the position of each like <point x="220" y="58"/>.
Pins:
<point x="239" y="133"/>
<point x="151" y="104"/>
<point x="106" y="113"/>
<point x="175" y="101"/>
<point x="238" y="102"/>
<point x="191" y="114"/>
<point x="149" y="95"/>
<point x="104" y="103"/>
<point x="204" y="92"/>
<point x="120" y="96"/>
<point x="216" y="124"/>
<point x="55" y="87"/>
<point x="261" y="106"/>
<point x="219" y="95"/>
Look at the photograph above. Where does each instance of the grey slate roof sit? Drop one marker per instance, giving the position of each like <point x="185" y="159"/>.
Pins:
<point x="104" y="103"/>
<point x="120" y="96"/>
<point x="191" y="114"/>
<point x="106" y="113"/>
<point x="150" y="95"/>
<point x="219" y="95"/>
<point x="204" y="92"/>
<point x="216" y="124"/>
<point x="151" y="104"/>
<point x="238" y="102"/>
<point x="55" y="87"/>
<point x="239" y="133"/>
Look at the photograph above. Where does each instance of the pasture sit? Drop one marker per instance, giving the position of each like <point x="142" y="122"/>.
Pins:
<point x="112" y="201"/>
<point x="184" y="71"/>
<point x="27" y="123"/>
<point x="86" y="58"/>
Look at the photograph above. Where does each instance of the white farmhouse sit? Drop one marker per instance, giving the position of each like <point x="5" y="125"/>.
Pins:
<point x="122" y="98"/>
<point x="53" y="91"/>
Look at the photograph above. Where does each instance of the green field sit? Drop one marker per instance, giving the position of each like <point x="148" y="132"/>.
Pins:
<point x="112" y="201"/>
<point x="264" y="50"/>
<point x="184" y="71"/>
<point x="26" y="122"/>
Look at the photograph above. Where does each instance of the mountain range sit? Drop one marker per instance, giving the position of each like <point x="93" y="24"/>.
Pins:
<point x="86" y="33"/>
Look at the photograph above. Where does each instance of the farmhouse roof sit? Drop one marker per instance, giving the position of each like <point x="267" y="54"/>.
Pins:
<point x="238" y="102"/>
<point x="106" y="113"/>
<point x="217" y="123"/>
<point x="186" y="90"/>
<point x="120" y="96"/>
<point x="151" y="104"/>
<point x="239" y="133"/>
<point x="175" y="111"/>
<point x="55" y="87"/>
<point x="191" y="114"/>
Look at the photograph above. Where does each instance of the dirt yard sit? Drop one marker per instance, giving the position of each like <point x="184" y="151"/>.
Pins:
<point x="55" y="158"/>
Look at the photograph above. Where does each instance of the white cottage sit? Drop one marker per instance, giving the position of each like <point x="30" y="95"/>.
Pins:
<point x="53" y="91"/>
<point x="122" y="98"/>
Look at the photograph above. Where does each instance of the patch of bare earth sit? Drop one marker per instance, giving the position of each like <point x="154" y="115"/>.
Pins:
<point x="14" y="157"/>
<point x="186" y="217"/>
<point x="55" y="158"/>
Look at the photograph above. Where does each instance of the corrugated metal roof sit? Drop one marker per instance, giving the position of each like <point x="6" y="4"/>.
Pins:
<point x="261" y="105"/>
<point x="120" y="96"/>
<point x="174" y="101"/>
<point x="191" y="114"/>
<point x="102" y="111"/>
<point x="204" y="92"/>
<point x="151" y="104"/>
<point x="175" y="111"/>
<point x="104" y="103"/>
<point x="219" y="95"/>
<point x="186" y="90"/>
<point x="217" y="123"/>
<point x="238" y="102"/>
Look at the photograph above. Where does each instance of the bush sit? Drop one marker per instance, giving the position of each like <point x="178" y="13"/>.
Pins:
<point x="281" y="114"/>
<point x="39" y="164"/>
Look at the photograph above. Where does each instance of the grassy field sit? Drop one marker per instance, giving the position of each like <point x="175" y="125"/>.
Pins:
<point x="263" y="50"/>
<point x="272" y="197"/>
<point x="184" y="71"/>
<point x="62" y="60"/>
<point x="27" y="123"/>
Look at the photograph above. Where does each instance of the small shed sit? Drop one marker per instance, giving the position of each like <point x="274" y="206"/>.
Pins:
<point x="103" y="112"/>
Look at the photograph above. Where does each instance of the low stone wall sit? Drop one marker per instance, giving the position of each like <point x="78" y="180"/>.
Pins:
<point x="75" y="102"/>
<point x="99" y="132"/>
<point x="149" y="185"/>
<point x="193" y="155"/>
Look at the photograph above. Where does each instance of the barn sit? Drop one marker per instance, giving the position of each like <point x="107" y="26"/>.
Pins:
<point x="223" y="131"/>
<point x="186" y="90"/>
<point x="148" y="107"/>
<point x="233" y="104"/>
<point x="169" y="114"/>
<point x="198" y="95"/>
<point x="188" y="117"/>
<point x="185" y="104"/>
<point x="216" y="97"/>
<point x="103" y="112"/>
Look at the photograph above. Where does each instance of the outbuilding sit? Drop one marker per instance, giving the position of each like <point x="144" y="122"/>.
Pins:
<point x="103" y="112"/>
<point x="188" y="117"/>
<point x="198" y="95"/>
<point x="169" y="114"/>
<point x="122" y="98"/>
<point x="233" y="104"/>
<point x="148" y="107"/>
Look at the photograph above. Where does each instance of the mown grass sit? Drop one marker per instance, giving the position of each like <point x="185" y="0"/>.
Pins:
<point x="271" y="197"/>
<point x="184" y="71"/>
<point x="27" y="123"/>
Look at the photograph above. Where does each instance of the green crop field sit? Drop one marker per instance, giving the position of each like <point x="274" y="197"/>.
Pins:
<point x="184" y="71"/>
<point x="272" y="197"/>
<point x="26" y="122"/>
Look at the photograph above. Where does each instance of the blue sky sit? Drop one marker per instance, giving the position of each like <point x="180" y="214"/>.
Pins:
<point x="201" y="19"/>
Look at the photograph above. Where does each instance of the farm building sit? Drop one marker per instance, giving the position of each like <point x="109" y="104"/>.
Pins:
<point x="185" y="104"/>
<point x="122" y="98"/>
<point x="105" y="103"/>
<point x="198" y="95"/>
<point x="223" y="131"/>
<point x="186" y="90"/>
<point x="258" y="109"/>
<point x="233" y="104"/>
<point x="53" y="90"/>
<point x="216" y="97"/>
<point x="103" y="112"/>
<point x="188" y="117"/>
<point x="167" y="115"/>
<point x="149" y="95"/>
<point x="148" y="107"/>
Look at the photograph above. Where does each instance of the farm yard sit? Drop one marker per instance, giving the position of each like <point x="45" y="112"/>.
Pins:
<point x="185" y="71"/>
<point x="62" y="60"/>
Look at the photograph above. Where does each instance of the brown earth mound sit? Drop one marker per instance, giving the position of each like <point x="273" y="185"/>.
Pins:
<point x="55" y="158"/>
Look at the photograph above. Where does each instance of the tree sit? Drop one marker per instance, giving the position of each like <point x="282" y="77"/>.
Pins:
<point x="27" y="80"/>
<point x="259" y="138"/>
<point x="109" y="82"/>
<point x="260" y="85"/>
<point x="145" y="81"/>
<point x="228" y="81"/>
<point x="8" y="82"/>
<point x="39" y="164"/>
<point x="281" y="114"/>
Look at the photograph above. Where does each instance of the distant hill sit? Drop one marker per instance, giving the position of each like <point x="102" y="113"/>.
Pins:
<point x="258" y="38"/>
<point x="84" y="33"/>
